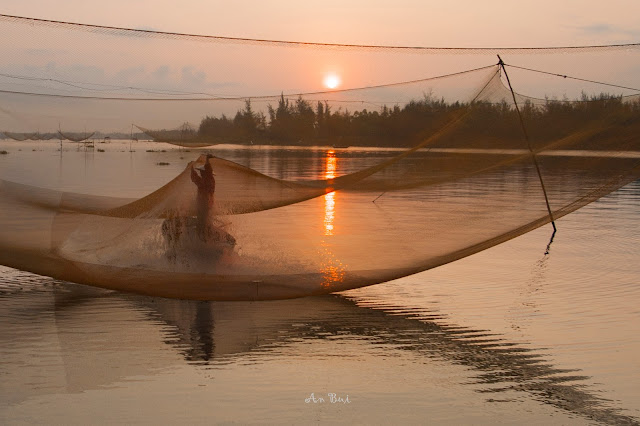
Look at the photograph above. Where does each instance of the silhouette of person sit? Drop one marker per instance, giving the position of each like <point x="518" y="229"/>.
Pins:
<point x="206" y="184"/>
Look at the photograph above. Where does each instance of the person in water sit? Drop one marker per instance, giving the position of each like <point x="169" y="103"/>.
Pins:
<point x="206" y="184"/>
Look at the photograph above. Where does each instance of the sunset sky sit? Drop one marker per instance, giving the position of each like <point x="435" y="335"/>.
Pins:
<point x="230" y="69"/>
<point x="400" y="22"/>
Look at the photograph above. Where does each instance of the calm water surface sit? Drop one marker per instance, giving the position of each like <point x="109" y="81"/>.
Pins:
<point x="509" y="335"/>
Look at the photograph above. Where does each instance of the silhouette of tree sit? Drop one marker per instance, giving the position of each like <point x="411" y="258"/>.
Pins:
<point x="494" y="124"/>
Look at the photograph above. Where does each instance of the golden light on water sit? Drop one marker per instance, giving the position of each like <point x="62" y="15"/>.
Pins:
<point x="332" y="268"/>
<point x="329" y="212"/>
<point x="331" y="164"/>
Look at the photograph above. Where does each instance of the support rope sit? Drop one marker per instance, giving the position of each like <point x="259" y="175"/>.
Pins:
<point x="526" y="136"/>
<point x="572" y="78"/>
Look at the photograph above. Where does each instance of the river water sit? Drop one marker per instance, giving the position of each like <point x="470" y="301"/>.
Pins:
<point x="509" y="335"/>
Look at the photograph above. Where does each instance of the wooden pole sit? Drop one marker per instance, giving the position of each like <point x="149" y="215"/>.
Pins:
<point x="526" y="136"/>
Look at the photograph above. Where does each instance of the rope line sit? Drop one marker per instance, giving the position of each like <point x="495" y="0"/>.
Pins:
<point x="573" y="78"/>
<point x="109" y="86"/>
<point x="222" y="98"/>
<point x="526" y="137"/>
<point x="200" y="37"/>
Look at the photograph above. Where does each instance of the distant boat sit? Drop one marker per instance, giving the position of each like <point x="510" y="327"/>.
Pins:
<point x="339" y="143"/>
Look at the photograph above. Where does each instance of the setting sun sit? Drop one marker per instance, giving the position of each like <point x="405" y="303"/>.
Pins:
<point x="331" y="81"/>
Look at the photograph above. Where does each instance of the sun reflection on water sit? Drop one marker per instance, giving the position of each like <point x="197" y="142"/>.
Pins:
<point x="331" y="164"/>
<point x="329" y="212"/>
<point x="332" y="268"/>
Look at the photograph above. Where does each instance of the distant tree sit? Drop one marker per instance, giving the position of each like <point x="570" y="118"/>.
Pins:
<point x="488" y="123"/>
<point x="246" y="123"/>
<point x="304" y="121"/>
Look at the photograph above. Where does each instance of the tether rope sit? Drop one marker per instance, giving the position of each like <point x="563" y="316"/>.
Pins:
<point x="533" y="155"/>
<point x="572" y="78"/>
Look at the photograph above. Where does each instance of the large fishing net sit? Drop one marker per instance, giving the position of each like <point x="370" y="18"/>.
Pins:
<point x="469" y="163"/>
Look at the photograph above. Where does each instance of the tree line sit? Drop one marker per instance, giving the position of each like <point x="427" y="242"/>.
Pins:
<point x="301" y="123"/>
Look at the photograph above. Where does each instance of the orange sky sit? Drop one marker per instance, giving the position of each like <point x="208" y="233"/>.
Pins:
<point x="404" y="22"/>
<point x="245" y="70"/>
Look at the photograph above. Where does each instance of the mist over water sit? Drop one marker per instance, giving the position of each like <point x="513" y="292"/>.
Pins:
<point x="508" y="335"/>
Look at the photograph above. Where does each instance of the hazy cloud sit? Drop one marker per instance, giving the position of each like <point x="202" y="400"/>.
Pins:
<point x="193" y="78"/>
<point x="130" y="75"/>
<point x="161" y="73"/>
<point x="612" y="32"/>
<point x="598" y="29"/>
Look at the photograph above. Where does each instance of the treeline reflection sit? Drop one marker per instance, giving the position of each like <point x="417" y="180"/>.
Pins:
<point x="217" y="333"/>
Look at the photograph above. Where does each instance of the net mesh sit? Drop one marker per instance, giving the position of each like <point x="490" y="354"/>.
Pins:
<point x="458" y="175"/>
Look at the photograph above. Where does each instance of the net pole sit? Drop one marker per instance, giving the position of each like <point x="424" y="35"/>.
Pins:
<point x="60" y="136"/>
<point x="526" y="137"/>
